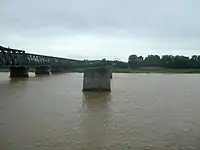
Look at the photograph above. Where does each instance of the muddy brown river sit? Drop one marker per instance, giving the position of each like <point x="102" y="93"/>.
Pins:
<point x="142" y="112"/>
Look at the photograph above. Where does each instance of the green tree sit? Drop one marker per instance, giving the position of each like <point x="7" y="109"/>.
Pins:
<point x="167" y="61"/>
<point x="181" y="62"/>
<point x="152" y="61"/>
<point x="195" y="61"/>
<point x="133" y="61"/>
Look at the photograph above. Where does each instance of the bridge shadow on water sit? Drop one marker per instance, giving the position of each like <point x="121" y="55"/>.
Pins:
<point x="95" y="120"/>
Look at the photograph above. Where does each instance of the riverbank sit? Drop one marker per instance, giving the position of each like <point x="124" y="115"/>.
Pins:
<point x="127" y="70"/>
<point x="143" y="70"/>
<point x="163" y="70"/>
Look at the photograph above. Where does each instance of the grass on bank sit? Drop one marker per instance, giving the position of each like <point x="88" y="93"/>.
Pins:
<point x="4" y="70"/>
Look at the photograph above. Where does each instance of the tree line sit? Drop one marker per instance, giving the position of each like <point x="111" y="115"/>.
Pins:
<point x="165" y="61"/>
<point x="134" y="61"/>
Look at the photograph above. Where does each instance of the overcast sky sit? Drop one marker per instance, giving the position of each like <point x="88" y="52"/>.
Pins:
<point x="97" y="29"/>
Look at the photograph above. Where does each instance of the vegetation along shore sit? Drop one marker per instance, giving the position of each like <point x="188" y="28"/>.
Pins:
<point x="139" y="64"/>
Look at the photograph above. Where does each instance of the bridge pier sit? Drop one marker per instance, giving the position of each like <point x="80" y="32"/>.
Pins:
<point x="19" y="72"/>
<point x="42" y="70"/>
<point x="97" y="79"/>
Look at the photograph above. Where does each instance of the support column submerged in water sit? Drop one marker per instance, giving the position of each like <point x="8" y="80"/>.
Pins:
<point x="42" y="70"/>
<point x="97" y="79"/>
<point x="21" y="71"/>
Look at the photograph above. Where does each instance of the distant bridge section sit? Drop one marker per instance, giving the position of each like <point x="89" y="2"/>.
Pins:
<point x="19" y="62"/>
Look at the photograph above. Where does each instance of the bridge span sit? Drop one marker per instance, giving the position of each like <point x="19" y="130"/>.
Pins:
<point x="19" y="62"/>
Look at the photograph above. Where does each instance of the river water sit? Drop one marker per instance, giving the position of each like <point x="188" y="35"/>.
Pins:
<point x="143" y="112"/>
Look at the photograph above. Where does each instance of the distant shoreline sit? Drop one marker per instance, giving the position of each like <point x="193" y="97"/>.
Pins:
<point x="151" y="70"/>
<point x="141" y="70"/>
<point x="163" y="70"/>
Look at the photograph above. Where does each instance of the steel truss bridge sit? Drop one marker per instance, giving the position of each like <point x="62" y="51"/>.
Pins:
<point x="14" y="58"/>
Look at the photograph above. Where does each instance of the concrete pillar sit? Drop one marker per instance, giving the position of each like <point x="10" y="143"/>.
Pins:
<point x="42" y="70"/>
<point x="18" y="72"/>
<point x="97" y="79"/>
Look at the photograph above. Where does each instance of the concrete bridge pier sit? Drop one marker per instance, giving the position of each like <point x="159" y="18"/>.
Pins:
<point x="19" y="71"/>
<point x="97" y="79"/>
<point x="42" y="70"/>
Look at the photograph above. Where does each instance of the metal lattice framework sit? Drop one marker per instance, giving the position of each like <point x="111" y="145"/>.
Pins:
<point x="41" y="60"/>
<point x="13" y="57"/>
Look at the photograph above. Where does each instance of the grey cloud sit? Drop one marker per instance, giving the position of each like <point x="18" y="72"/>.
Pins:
<point x="155" y="17"/>
<point x="45" y="21"/>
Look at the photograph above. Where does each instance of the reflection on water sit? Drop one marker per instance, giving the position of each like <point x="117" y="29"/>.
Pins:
<point x="142" y="112"/>
<point x="18" y="80"/>
<point x="95" y="119"/>
<point x="88" y="96"/>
